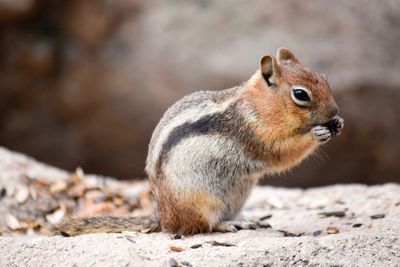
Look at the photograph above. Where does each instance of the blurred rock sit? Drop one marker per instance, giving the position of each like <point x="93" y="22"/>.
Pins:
<point x="85" y="83"/>
<point x="16" y="9"/>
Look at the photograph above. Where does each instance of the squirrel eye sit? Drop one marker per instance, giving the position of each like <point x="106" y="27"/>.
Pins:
<point x="300" y="96"/>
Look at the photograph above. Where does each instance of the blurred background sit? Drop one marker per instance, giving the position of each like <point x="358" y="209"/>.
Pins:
<point x="83" y="83"/>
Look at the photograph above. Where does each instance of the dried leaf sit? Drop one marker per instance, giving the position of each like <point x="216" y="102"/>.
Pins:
<point x="119" y="201"/>
<point x="80" y="173"/>
<point x="96" y="208"/>
<point x="58" y="187"/>
<point x="33" y="192"/>
<point x="77" y="190"/>
<point x="12" y="222"/>
<point x="332" y="230"/>
<point x="146" y="200"/>
<point x="22" y="194"/>
<point x="176" y="248"/>
<point x="56" y="216"/>
<point x="43" y="181"/>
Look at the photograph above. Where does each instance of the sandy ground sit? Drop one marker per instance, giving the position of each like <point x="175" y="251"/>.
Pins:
<point x="341" y="225"/>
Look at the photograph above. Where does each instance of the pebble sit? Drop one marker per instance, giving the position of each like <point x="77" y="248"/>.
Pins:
<point x="173" y="263"/>
<point x="333" y="214"/>
<point x="378" y="216"/>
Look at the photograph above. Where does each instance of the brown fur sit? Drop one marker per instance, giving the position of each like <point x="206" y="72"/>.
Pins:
<point x="185" y="213"/>
<point x="282" y="123"/>
<point x="280" y="136"/>
<point x="105" y="224"/>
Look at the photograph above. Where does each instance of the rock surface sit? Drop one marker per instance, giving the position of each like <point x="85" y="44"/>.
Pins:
<point x="375" y="243"/>
<point x="83" y="80"/>
<point x="341" y="225"/>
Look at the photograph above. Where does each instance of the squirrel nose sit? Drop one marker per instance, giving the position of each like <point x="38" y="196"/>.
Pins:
<point x="332" y="110"/>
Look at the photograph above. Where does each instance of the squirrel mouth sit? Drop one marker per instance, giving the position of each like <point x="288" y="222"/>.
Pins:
<point x="331" y="125"/>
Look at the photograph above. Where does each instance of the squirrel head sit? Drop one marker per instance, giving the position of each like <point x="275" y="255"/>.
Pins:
<point x="290" y="94"/>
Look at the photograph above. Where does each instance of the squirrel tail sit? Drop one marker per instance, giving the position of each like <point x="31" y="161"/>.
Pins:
<point x="106" y="224"/>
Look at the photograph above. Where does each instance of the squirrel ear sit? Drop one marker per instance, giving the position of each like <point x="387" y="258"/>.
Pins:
<point x="284" y="54"/>
<point x="269" y="69"/>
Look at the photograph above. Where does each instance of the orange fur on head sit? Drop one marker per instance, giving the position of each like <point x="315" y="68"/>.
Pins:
<point x="284" y="126"/>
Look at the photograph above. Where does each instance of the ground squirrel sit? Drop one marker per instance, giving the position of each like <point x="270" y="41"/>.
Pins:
<point x="211" y="147"/>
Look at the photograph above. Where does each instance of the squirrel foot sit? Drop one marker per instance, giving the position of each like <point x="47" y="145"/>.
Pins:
<point x="234" y="226"/>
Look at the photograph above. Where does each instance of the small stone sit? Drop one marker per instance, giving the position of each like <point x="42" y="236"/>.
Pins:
<point x="266" y="217"/>
<point x="130" y="239"/>
<point x="356" y="225"/>
<point x="64" y="234"/>
<point x="177" y="236"/>
<point x="317" y="233"/>
<point x="333" y="214"/>
<point x="289" y="234"/>
<point x="186" y="263"/>
<point x="221" y="244"/>
<point x="378" y="216"/>
<point x="196" y="246"/>
<point x="173" y="263"/>
<point x="3" y="192"/>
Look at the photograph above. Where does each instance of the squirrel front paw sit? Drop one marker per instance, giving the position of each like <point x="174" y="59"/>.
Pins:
<point x="336" y="125"/>
<point x="322" y="133"/>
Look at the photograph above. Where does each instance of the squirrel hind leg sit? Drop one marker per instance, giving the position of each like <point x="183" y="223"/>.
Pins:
<point x="184" y="219"/>
<point x="105" y="224"/>
<point x="196" y="212"/>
